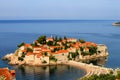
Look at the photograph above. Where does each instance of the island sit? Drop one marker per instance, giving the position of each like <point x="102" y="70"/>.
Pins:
<point x="62" y="50"/>
<point x="116" y="24"/>
<point x="55" y="50"/>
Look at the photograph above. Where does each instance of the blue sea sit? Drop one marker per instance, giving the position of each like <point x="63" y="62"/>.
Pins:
<point x="13" y="32"/>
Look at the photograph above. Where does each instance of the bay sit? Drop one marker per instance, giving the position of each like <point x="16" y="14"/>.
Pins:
<point x="98" y="31"/>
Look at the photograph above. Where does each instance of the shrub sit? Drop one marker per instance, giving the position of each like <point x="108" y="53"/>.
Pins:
<point x="44" y="61"/>
<point x="20" y="58"/>
<point x="51" y="57"/>
<point x="21" y="44"/>
<point x="82" y="41"/>
<point x="29" y="50"/>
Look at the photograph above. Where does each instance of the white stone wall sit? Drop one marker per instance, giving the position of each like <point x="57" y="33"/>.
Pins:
<point x="22" y="48"/>
<point x="19" y="54"/>
<point x="61" y="57"/>
<point x="102" y="48"/>
<point x="29" y="59"/>
<point x="46" y="58"/>
<point x="37" y="60"/>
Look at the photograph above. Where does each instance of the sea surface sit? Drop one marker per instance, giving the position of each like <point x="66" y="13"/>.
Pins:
<point x="13" y="32"/>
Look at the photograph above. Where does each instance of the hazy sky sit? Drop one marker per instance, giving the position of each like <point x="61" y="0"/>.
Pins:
<point x="60" y="9"/>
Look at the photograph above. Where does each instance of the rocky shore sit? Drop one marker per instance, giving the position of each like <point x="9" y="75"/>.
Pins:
<point x="116" y="24"/>
<point x="12" y="60"/>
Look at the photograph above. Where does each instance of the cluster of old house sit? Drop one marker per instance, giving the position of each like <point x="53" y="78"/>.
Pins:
<point x="41" y="54"/>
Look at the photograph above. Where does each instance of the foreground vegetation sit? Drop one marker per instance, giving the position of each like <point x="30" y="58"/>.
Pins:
<point x="110" y="76"/>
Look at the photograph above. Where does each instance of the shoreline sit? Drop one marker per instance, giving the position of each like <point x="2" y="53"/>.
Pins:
<point x="89" y="68"/>
<point x="115" y="24"/>
<point x="79" y="67"/>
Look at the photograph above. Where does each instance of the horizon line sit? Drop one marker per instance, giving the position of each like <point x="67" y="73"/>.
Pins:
<point x="50" y="19"/>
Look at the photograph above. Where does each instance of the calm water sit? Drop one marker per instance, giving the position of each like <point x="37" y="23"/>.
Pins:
<point x="15" y="32"/>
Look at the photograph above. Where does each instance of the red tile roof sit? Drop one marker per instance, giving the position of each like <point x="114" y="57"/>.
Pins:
<point x="27" y="45"/>
<point x="61" y="51"/>
<point x="23" y="50"/>
<point x="52" y="47"/>
<point x="46" y="50"/>
<point x="12" y="73"/>
<point x="88" y="44"/>
<point x="86" y="49"/>
<point x="5" y="72"/>
<point x="49" y="39"/>
<point x="29" y="53"/>
<point x="38" y="55"/>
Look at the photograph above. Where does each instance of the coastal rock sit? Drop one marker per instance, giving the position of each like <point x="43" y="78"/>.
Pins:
<point x="116" y="24"/>
<point x="7" y="57"/>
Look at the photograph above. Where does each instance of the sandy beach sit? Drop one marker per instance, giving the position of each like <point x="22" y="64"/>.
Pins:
<point x="90" y="69"/>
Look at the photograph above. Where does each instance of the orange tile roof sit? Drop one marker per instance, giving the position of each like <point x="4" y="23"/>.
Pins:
<point x="46" y="50"/>
<point x="27" y="45"/>
<point x="38" y="55"/>
<point x="86" y="49"/>
<point x="39" y="47"/>
<point x="23" y="50"/>
<point x="49" y="39"/>
<point x="5" y="72"/>
<point x="75" y="45"/>
<point x="12" y="71"/>
<point x="64" y="40"/>
<point x="37" y="51"/>
<point x="88" y="44"/>
<point x="29" y="53"/>
<point x="61" y="51"/>
<point x="55" y="47"/>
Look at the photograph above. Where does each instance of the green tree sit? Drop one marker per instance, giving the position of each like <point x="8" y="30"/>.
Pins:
<point x="29" y="50"/>
<point x="21" y="44"/>
<point x="81" y="48"/>
<point x="77" y="53"/>
<point x="55" y="38"/>
<point x="44" y="61"/>
<point x="118" y="75"/>
<point x="65" y="37"/>
<point x="60" y="39"/>
<point x="23" y="54"/>
<point x="42" y="39"/>
<point x="92" y="49"/>
<point x="34" y="44"/>
<point x="51" y="57"/>
<point x="100" y="77"/>
<point x="45" y="53"/>
<point x="20" y="58"/>
<point x="85" y="53"/>
<point x="81" y="41"/>
<point x="50" y="43"/>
